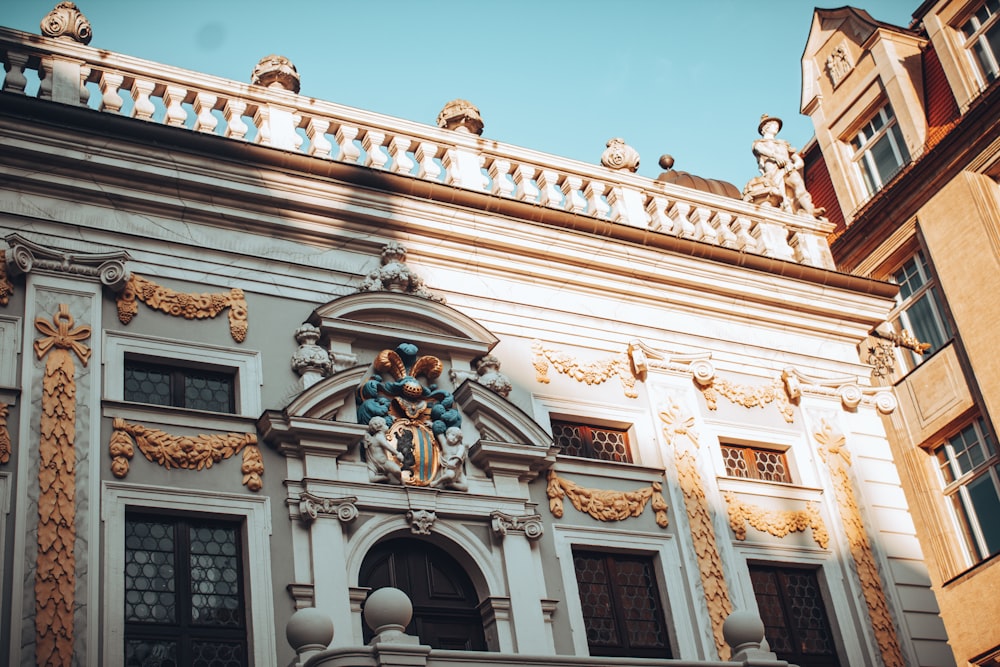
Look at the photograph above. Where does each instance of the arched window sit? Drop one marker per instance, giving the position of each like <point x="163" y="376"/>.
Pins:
<point x="445" y="605"/>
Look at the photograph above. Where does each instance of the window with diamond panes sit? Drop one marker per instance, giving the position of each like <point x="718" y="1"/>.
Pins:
<point x="621" y="605"/>
<point x="592" y="442"/>
<point x="768" y="465"/>
<point x="180" y="387"/>
<point x="796" y="624"/>
<point x="183" y="593"/>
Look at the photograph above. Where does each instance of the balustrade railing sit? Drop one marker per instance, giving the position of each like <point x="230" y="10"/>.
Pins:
<point x="70" y="73"/>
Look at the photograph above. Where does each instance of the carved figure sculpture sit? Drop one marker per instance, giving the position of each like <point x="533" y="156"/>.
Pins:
<point x="488" y="368"/>
<point x="780" y="182"/>
<point x="452" y="460"/>
<point x="381" y="456"/>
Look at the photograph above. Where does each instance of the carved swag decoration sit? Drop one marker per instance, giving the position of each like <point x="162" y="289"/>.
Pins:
<point x="775" y="522"/>
<point x="188" y="306"/>
<point x="6" y="286"/>
<point x="749" y="396"/>
<point x="605" y="505"/>
<point x="5" y="445"/>
<point x="55" y="573"/>
<point x="191" y="452"/>
<point x="591" y="373"/>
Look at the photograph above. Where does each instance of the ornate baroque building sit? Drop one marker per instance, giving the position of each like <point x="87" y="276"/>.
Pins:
<point x="261" y="355"/>
<point x="906" y="159"/>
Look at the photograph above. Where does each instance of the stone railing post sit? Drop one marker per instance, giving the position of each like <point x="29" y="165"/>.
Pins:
<point x="63" y="81"/>
<point x="812" y="249"/>
<point x="276" y="127"/>
<point x="772" y="238"/>
<point x="627" y="206"/>
<point x="387" y="612"/>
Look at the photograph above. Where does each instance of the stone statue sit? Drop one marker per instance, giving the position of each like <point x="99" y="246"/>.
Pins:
<point x="780" y="183"/>
<point x="488" y="368"/>
<point x="452" y="460"/>
<point x="382" y="464"/>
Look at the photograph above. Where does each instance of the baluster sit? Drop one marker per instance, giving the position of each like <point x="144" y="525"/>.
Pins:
<point x="595" y="196"/>
<point x="15" y="81"/>
<point x="110" y="84"/>
<point x="773" y="239"/>
<point x="84" y="91"/>
<point x="176" y="115"/>
<point x="235" y="127"/>
<point x="347" y="152"/>
<point x="575" y="202"/>
<point x="745" y="242"/>
<point x="319" y="145"/>
<point x="682" y="227"/>
<point x="45" y="77"/>
<point x="658" y="220"/>
<point x="142" y="108"/>
<point x="204" y="104"/>
<point x="429" y="169"/>
<point x="499" y="170"/>
<point x="401" y="162"/>
<point x="617" y="202"/>
<point x="720" y="222"/>
<point x="262" y="119"/>
<point x="547" y="183"/>
<point x="812" y="249"/>
<point x="702" y="230"/>
<point x="372" y="143"/>
<point x="524" y="189"/>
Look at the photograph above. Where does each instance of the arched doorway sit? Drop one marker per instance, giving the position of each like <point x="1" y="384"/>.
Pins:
<point x="445" y="604"/>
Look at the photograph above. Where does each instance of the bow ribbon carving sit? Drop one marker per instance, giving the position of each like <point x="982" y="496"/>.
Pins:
<point x="62" y="335"/>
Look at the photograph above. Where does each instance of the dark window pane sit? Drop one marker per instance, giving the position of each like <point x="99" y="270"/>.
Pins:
<point x="593" y="442"/>
<point x="145" y="384"/>
<point x="986" y="506"/>
<point x="151" y="653"/>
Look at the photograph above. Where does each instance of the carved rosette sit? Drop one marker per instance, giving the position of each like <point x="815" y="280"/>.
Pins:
<point x="749" y="396"/>
<point x="529" y="525"/>
<point x="591" y="372"/>
<point x="5" y="446"/>
<point x="190" y="452"/>
<point x="276" y="72"/>
<point x="395" y="276"/>
<point x="833" y="451"/>
<point x="343" y="509"/>
<point x="188" y="306"/>
<point x="678" y="429"/>
<point x="605" y="505"/>
<point x="461" y="116"/>
<point x="775" y="522"/>
<point x="620" y="156"/>
<point x="55" y="566"/>
<point x="6" y="286"/>
<point x="421" y="521"/>
<point x="66" y="21"/>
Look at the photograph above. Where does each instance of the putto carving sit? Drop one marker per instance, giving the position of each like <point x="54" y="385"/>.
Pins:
<point x="55" y="567"/>
<point x="592" y="372"/>
<point x="312" y="507"/>
<point x="277" y="72"/>
<point x="395" y="276"/>
<point x="620" y="156"/>
<point x="421" y="521"/>
<point x="188" y="306"/>
<point x="66" y="21"/>
<point x="605" y="505"/>
<point x="6" y="287"/>
<point x="749" y="396"/>
<point x="5" y="446"/>
<point x="310" y="361"/>
<point x="25" y="256"/>
<point x="529" y="525"/>
<point x="780" y="183"/>
<point x="775" y="522"/>
<point x="190" y="452"/>
<point x="461" y="116"/>
<point x="414" y="431"/>
<point x="838" y="64"/>
<point x="488" y="368"/>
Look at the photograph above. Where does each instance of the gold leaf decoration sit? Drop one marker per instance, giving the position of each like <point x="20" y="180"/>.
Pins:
<point x="55" y="565"/>
<point x="749" y="396"/>
<point x="191" y="452"/>
<point x="591" y="373"/>
<point x="775" y="522"/>
<point x="6" y="286"/>
<point x="5" y="446"/>
<point x="179" y="304"/>
<point x="833" y="450"/>
<point x="605" y="505"/>
<point x="678" y="429"/>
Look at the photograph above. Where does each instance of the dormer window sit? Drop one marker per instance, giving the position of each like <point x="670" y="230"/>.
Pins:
<point x="982" y="38"/>
<point x="879" y="150"/>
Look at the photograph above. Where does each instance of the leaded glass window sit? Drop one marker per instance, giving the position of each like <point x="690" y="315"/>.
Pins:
<point x="181" y="387"/>
<point x="592" y="442"/>
<point x="768" y="465"/>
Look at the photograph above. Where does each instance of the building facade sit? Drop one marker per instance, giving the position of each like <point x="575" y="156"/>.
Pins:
<point x="906" y="154"/>
<point x="264" y="354"/>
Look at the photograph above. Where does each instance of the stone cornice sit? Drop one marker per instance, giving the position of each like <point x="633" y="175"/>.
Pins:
<point x="24" y="256"/>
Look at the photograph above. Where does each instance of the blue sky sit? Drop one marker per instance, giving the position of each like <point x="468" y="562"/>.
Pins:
<point x="685" y="77"/>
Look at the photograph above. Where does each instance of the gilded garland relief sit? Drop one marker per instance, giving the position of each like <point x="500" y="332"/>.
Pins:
<point x="605" y="505"/>
<point x="188" y="306"/>
<point x="55" y="573"/>
<point x="591" y="373"/>
<point x="193" y="452"/>
<point x="833" y="451"/>
<point x="5" y="446"/>
<point x="6" y="287"/>
<point x="749" y="396"/>
<point x="775" y="522"/>
<point x="678" y="429"/>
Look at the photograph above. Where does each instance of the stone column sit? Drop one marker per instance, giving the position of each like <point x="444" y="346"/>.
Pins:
<point x="526" y="589"/>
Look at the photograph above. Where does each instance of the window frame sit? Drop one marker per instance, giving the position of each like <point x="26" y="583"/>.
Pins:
<point x="751" y="462"/>
<point x="177" y="375"/>
<point x="861" y="149"/>
<point x="978" y="38"/>
<point x="899" y="318"/>
<point x="255" y="514"/>
<point x="587" y="445"/>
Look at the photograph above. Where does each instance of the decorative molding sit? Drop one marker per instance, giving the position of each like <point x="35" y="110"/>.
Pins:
<point x="833" y="450"/>
<point x="25" y="256"/>
<point x="839" y="64"/>
<point x="775" y="522"/>
<point x="55" y="565"/>
<point x="606" y="505"/>
<point x="846" y="388"/>
<point x="312" y="506"/>
<point x="489" y="375"/>
<point x="303" y="595"/>
<point x="395" y="276"/>
<point x="880" y="354"/>
<point x="5" y="445"/>
<point x="184" y="451"/>
<point x="592" y="372"/>
<point x="747" y="395"/>
<point x="67" y="21"/>
<point x="188" y="306"/>
<point x="310" y="361"/>
<point x="421" y="521"/>
<point x="678" y="429"/>
<point x="6" y="286"/>
<point x="529" y="525"/>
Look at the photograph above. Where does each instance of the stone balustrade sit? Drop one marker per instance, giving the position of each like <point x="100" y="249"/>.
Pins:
<point x="71" y="73"/>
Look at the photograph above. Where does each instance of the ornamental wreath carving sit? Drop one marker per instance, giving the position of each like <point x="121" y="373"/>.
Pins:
<point x="591" y="372"/>
<point x="605" y="505"/>
<point x="749" y="396"/>
<point x="775" y="522"/>
<point x="188" y="306"/>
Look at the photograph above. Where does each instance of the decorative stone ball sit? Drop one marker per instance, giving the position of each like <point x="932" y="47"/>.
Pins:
<point x="388" y="609"/>
<point x="309" y="629"/>
<point x="743" y="627"/>
<point x="667" y="161"/>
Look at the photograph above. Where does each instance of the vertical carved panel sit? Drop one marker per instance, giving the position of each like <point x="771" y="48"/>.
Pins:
<point x="5" y="447"/>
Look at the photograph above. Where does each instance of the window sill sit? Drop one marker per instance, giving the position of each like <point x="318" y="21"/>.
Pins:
<point x="972" y="571"/>
<point x="170" y="416"/>
<point x="598" y="468"/>
<point x="758" y="487"/>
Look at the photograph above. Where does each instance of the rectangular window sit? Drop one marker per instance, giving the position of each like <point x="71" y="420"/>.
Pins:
<point x="184" y="602"/>
<point x="622" y="611"/>
<point x="768" y="465"/>
<point x="879" y="150"/>
<point x="918" y="309"/>
<point x="970" y="472"/>
<point x="180" y="387"/>
<point x="982" y="39"/>
<point x="796" y="624"/>
<point x="592" y="442"/>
